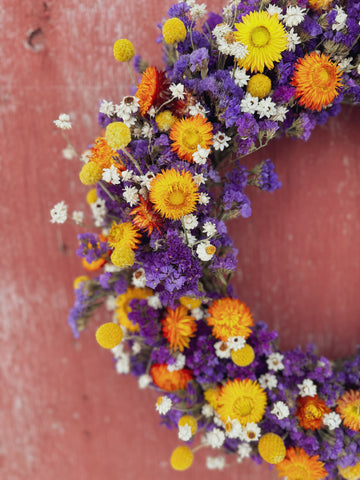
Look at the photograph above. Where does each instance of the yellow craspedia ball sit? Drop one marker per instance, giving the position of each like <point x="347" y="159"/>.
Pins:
<point x="165" y="120"/>
<point x="173" y="31"/>
<point x="91" y="196"/>
<point x="123" y="50"/>
<point x="244" y="356"/>
<point x="79" y="280"/>
<point x="190" y="302"/>
<point x="108" y="335"/>
<point x="350" y="473"/>
<point x="271" y="448"/>
<point x="191" y="421"/>
<point x="181" y="458"/>
<point x="90" y="173"/>
<point x="259" y="85"/>
<point x="117" y="135"/>
<point x="123" y="257"/>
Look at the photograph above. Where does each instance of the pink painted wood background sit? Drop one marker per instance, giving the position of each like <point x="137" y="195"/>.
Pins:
<point x="64" y="411"/>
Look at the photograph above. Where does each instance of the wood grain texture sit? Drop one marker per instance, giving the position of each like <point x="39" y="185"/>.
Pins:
<point x="64" y="411"/>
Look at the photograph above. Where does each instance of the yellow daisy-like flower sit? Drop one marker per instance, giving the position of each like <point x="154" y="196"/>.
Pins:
<point x="178" y="328"/>
<point x="348" y="407"/>
<point x="124" y="235"/>
<point x="299" y="464"/>
<point x="265" y="37"/>
<point x="188" y="133"/>
<point x="229" y="318"/>
<point x="173" y="193"/>
<point x="317" y="81"/>
<point x="319" y="4"/>
<point x="123" y="307"/>
<point x="242" y="400"/>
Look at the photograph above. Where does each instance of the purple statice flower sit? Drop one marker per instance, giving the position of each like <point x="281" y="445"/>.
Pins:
<point x="308" y="123"/>
<point x="268" y="180"/>
<point x="247" y="126"/>
<point x="178" y="10"/>
<point x="103" y="120"/>
<point x="104" y="280"/>
<point x="148" y="320"/>
<point x="283" y="94"/>
<point x="90" y="247"/>
<point x="311" y="26"/>
<point x="235" y="183"/>
<point x="120" y="285"/>
<point x="198" y="59"/>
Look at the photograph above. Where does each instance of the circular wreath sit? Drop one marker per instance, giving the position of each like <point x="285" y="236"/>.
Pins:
<point x="166" y="174"/>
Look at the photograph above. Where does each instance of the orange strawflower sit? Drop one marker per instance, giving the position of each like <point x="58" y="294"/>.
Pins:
<point x="178" y="328"/>
<point x="188" y="133"/>
<point x="317" y="81"/>
<point x="105" y="156"/>
<point x="319" y="4"/>
<point x="348" y="407"/>
<point x="152" y="90"/>
<point x="310" y="412"/>
<point x="170" y="381"/>
<point x="229" y="318"/>
<point x="93" y="266"/>
<point x="145" y="217"/>
<point x="299" y="465"/>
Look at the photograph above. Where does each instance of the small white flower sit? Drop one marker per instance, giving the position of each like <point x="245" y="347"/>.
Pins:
<point x="110" y="303"/>
<point x="111" y="175"/>
<point x="332" y="420"/>
<point x="236" y="343"/>
<point x="190" y="221"/>
<point x="241" y="78"/>
<point x="198" y="11"/>
<point x="118" y="351"/>
<point x="275" y="10"/>
<point x="266" y="107"/>
<point x="215" y="463"/>
<point x="109" y="267"/>
<point x="59" y="213"/>
<point x="220" y="30"/>
<point x="128" y="106"/>
<point x="197" y="109"/>
<point x="204" y="198"/>
<point x="222" y="349"/>
<point x="235" y="430"/>
<point x="251" y="432"/>
<point x="146" y="179"/>
<point x="85" y="156"/>
<point x="243" y="452"/>
<point x="268" y="381"/>
<point x="293" y="40"/>
<point x="131" y="195"/>
<point x="219" y="422"/>
<point x="69" y="153"/>
<point x="280" y="410"/>
<point x="99" y="211"/>
<point x="136" y="347"/>
<point x="154" y="302"/>
<point x="199" y="179"/>
<point x="249" y="104"/>
<point x="201" y="155"/>
<point x="152" y="112"/>
<point x="274" y="361"/>
<point x="63" y="122"/>
<point x="179" y="364"/>
<point x="197" y="313"/>
<point x="307" y="388"/>
<point x="209" y="228"/>
<point x="144" y="381"/>
<point x="358" y="69"/>
<point x="294" y="16"/>
<point x="345" y="64"/>
<point x="147" y="131"/>
<point x="123" y="364"/>
<point x="207" y="410"/>
<point x="340" y="19"/>
<point x="238" y="50"/>
<point x="139" y="278"/>
<point x="220" y="141"/>
<point x="107" y="108"/>
<point x="280" y="113"/>
<point x="78" y="217"/>
<point x="215" y="438"/>
<point x="185" y="432"/>
<point x="127" y="175"/>
<point x="205" y="251"/>
<point x="189" y="238"/>
<point x="163" y="405"/>
<point x="177" y="90"/>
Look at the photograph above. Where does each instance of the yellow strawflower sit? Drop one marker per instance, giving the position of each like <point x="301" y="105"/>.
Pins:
<point x="123" y="50"/>
<point x="350" y="473"/>
<point x="173" y="31"/>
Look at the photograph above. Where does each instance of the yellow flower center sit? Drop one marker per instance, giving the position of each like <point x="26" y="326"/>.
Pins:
<point x="356" y="409"/>
<point x="312" y="412"/>
<point x="191" y="138"/>
<point x="210" y="249"/>
<point x="299" y="472"/>
<point x="176" y="198"/>
<point x="243" y="406"/>
<point x="260" y="36"/>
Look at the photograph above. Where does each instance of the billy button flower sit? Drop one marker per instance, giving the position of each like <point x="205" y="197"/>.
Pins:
<point x="181" y="458"/>
<point x="109" y="335"/>
<point x="259" y="86"/>
<point x="90" y="173"/>
<point x="174" y="30"/>
<point x="123" y="50"/>
<point x="272" y="448"/>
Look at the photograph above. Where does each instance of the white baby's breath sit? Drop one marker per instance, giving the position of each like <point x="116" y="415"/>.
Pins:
<point x="280" y="410"/>
<point x="63" y="122"/>
<point x="59" y="213"/>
